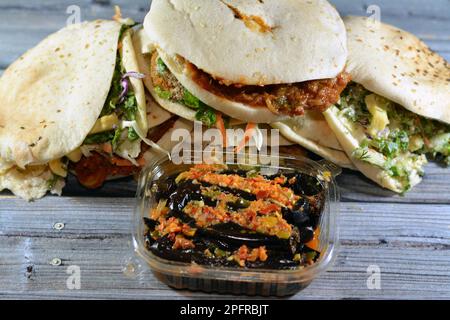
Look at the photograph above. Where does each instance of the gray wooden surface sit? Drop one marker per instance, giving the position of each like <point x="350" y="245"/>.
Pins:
<point x="407" y="237"/>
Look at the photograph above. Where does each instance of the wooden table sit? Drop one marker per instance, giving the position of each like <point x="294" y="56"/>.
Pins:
<point x="407" y="237"/>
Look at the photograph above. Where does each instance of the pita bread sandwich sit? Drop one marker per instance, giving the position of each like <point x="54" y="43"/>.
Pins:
<point x="197" y="110"/>
<point x="397" y="110"/>
<point x="74" y="102"/>
<point x="312" y="132"/>
<point x="245" y="59"/>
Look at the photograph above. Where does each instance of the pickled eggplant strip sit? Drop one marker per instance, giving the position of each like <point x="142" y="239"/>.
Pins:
<point x="214" y="215"/>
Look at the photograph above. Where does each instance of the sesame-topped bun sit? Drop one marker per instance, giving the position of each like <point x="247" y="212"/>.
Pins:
<point x="397" y="65"/>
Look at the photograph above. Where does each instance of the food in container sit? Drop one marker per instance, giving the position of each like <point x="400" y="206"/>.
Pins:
<point x="233" y="228"/>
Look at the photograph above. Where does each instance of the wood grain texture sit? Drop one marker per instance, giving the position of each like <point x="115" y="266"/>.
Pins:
<point x="435" y="188"/>
<point x="408" y="237"/>
<point x="97" y="238"/>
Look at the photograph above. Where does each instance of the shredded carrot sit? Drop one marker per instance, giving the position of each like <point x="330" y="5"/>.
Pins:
<point x="263" y="254"/>
<point x="121" y="162"/>
<point x="141" y="161"/>
<point x="221" y="126"/>
<point x="249" y="130"/>
<point x="270" y="208"/>
<point x="107" y="147"/>
<point x="126" y="163"/>
<point x="314" y="243"/>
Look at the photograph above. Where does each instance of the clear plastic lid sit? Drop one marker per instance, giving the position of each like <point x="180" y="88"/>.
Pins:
<point x="328" y="238"/>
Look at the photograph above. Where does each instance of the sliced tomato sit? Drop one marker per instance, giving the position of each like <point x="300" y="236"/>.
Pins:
<point x="263" y="194"/>
<point x="221" y="126"/>
<point x="270" y="208"/>
<point x="92" y="172"/>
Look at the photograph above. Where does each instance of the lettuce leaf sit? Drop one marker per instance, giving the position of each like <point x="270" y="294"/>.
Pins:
<point x="100" y="137"/>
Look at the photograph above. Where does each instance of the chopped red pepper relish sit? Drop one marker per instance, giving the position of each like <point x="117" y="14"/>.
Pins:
<point x="214" y="215"/>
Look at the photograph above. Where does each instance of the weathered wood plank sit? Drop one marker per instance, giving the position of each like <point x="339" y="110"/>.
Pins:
<point x="405" y="274"/>
<point x="435" y="188"/>
<point x="410" y="244"/>
<point x="353" y="187"/>
<point x="88" y="217"/>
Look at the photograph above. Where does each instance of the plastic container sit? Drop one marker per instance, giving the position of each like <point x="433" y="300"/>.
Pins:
<point x="236" y="280"/>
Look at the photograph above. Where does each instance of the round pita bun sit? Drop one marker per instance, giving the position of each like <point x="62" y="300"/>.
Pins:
<point x="145" y="48"/>
<point x="397" y="65"/>
<point x="314" y="134"/>
<point x="53" y="95"/>
<point x="314" y="127"/>
<point x="252" y="42"/>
